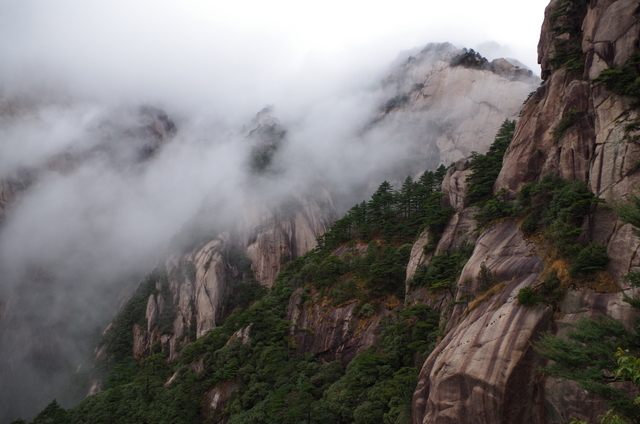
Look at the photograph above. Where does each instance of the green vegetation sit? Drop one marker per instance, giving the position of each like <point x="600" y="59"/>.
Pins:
<point x="443" y="270"/>
<point x="389" y="223"/>
<point x="244" y="287"/>
<point x="361" y="260"/>
<point x="557" y="207"/>
<point x="588" y="354"/>
<point x="469" y="59"/>
<point x="485" y="168"/>
<point x="550" y="291"/>
<point x="484" y="173"/>
<point x="569" y="119"/>
<point x="566" y="21"/>
<point x="119" y="338"/>
<point x="628" y="368"/>
<point x="527" y="296"/>
<point x="393" y="216"/>
<point x="270" y="381"/>
<point x="51" y="414"/>
<point x="588" y="357"/>
<point x="630" y="212"/>
<point x="593" y="257"/>
<point x="273" y="383"/>
<point x="485" y="278"/>
<point x="493" y="209"/>
<point x="624" y="79"/>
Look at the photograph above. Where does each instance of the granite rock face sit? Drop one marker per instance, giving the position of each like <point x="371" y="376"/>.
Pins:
<point x="487" y="351"/>
<point x="485" y="369"/>
<point x="442" y="111"/>
<point x="272" y="236"/>
<point x="454" y="185"/>
<point x="335" y="333"/>
<point x="575" y="128"/>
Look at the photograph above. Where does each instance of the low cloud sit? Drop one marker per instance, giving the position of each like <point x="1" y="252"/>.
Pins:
<point x="99" y="203"/>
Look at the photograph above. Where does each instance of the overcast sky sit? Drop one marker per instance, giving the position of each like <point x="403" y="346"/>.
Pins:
<point x="206" y="52"/>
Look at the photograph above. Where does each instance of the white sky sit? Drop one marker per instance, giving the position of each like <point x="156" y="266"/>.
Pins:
<point x="196" y="49"/>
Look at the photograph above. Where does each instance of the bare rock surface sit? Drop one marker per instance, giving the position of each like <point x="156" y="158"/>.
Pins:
<point x="454" y="185"/>
<point x="487" y="352"/>
<point x="460" y="229"/>
<point x="444" y="112"/>
<point x="334" y="332"/>
<point x="537" y="148"/>
<point x="596" y="145"/>
<point x="418" y="256"/>
<point x="275" y="235"/>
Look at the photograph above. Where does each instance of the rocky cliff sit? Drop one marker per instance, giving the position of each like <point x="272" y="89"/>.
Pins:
<point x="444" y="102"/>
<point x="436" y="103"/>
<point x="441" y="104"/>
<point x="485" y="369"/>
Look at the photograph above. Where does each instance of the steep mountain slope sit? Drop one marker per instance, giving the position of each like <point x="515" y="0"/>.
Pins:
<point x="444" y="103"/>
<point x="577" y="126"/>
<point x="270" y="236"/>
<point x="234" y="245"/>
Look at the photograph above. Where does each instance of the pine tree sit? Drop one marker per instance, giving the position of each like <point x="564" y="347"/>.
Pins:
<point x="52" y="414"/>
<point x="485" y="168"/>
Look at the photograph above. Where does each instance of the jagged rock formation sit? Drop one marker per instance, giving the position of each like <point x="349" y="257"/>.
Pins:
<point x="199" y="280"/>
<point x="472" y="374"/>
<point x="575" y="128"/>
<point x="273" y="236"/>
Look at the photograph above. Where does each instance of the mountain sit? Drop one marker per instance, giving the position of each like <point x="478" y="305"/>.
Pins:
<point x="218" y="243"/>
<point x="437" y="302"/>
<point x="577" y="126"/>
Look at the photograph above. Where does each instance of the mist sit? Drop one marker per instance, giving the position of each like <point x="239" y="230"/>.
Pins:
<point x="100" y="187"/>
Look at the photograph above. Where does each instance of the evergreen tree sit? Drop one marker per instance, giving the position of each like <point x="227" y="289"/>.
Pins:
<point x="406" y="199"/>
<point x="381" y="204"/>
<point x="438" y="177"/>
<point x="485" y="168"/>
<point x="52" y="414"/>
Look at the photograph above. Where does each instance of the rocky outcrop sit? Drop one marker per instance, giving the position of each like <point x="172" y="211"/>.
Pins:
<point x="217" y="399"/>
<point x="335" y="332"/>
<point x="485" y="369"/>
<point x="555" y="134"/>
<point x="444" y="112"/>
<point x="487" y="351"/>
<point x="454" y="185"/>
<point x="610" y="34"/>
<point x="418" y="256"/>
<point x="198" y="287"/>
<point x="572" y="127"/>
<point x="199" y="279"/>
<point x="272" y="236"/>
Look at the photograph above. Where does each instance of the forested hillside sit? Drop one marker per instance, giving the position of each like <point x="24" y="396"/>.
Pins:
<point x="500" y="288"/>
<point x="250" y="368"/>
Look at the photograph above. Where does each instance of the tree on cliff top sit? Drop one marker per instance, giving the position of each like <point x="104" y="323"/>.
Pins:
<point x="485" y="168"/>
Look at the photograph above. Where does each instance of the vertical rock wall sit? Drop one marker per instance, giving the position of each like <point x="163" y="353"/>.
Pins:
<point x="485" y="370"/>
